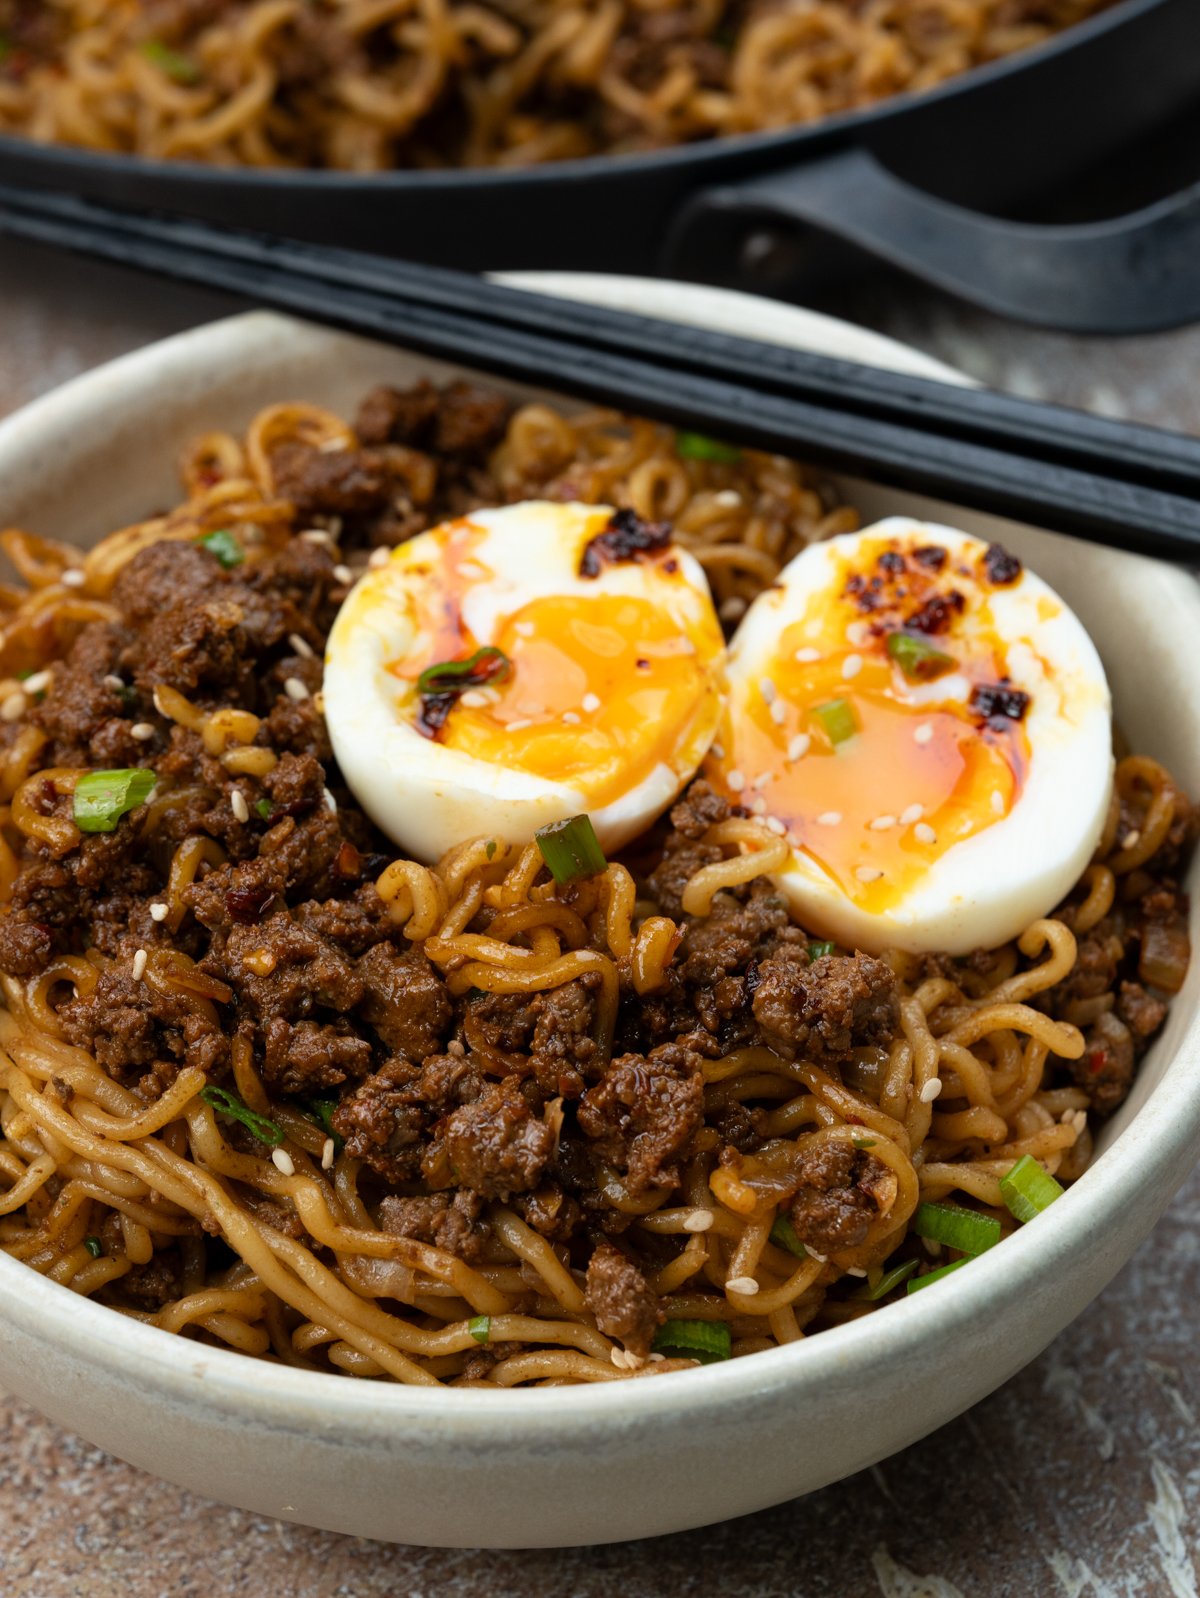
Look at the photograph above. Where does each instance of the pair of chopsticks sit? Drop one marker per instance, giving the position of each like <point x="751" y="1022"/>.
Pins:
<point x="1112" y="483"/>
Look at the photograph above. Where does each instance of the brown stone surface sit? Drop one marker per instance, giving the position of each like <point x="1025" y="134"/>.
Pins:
<point x="1079" y="1479"/>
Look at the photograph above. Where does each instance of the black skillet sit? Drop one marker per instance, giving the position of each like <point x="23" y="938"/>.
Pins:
<point x="921" y="182"/>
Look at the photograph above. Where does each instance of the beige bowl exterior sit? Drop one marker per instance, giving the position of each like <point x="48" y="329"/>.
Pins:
<point x="622" y="1460"/>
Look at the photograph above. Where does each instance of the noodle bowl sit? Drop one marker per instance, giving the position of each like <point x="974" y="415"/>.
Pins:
<point x="384" y="1235"/>
<point x="413" y="83"/>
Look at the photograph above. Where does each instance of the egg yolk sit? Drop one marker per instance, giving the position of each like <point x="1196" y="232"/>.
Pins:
<point x="874" y="776"/>
<point x="601" y="689"/>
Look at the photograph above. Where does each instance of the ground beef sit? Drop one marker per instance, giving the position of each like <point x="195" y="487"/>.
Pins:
<point x="343" y="482"/>
<point x="642" y="1113"/>
<point x="564" y="1053"/>
<point x="841" y="1191"/>
<point x="398" y="416"/>
<point x="829" y="1007"/>
<point x="129" y="1027"/>
<point x="381" y="1124"/>
<point x="307" y="1057"/>
<point x="1105" y="1068"/>
<point x="447" y="1221"/>
<point x="1140" y="1011"/>
<point x="162" y="575"/>
<point x="495" y="1145"/>
<point x="280" y="969"/>
<point x="626" y="1307"/>
<point x="85" y="717"/>
<point x="405" y="1001"/>
<point x="25" y="946"/>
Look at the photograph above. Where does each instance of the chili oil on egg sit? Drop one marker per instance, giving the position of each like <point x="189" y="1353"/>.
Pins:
<point x="930" y="726"/>
<point x="519" y="666"/>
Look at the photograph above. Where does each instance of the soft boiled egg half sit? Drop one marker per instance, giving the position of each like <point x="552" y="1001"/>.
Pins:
<point x="929" y="726"/>
<point x="522" y="665"/>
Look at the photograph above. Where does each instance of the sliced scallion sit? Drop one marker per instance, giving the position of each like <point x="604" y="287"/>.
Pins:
<point x="264" y="809"/>
<point x="94" y="1247"/>
<point x="838" y="719"/>
<point x="888" y="1282"/>
<point x="863" y="1142"/>
<point x="918" y="1282"/>
<point x="956" y="1228"/>
<point x="480" y="1328"/>
<point x="226" y="1103"/>
<point x="571" y="849"/>
<point x="488" y="664"/>
<point x="706" y="1341"/>
<point x="101" y="798"/>
<point x="816" y="950"/>
<point x="783" y="1235"/>
<point x="321" y="1111"/>
<point x="917" y="658"/>
<point x="696" y="447"/>
<point x="179" y="68"/>
<point x="224" y="546"/>
<point x="1028" y="1189"/>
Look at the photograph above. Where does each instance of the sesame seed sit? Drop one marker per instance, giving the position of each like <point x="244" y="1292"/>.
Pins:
<point x="330" y="801"/>
<point x="73" y="577"/>
<point x="733" y="608"/>
<point x="829" y="818"/>
<point x="736" y="781"/>
<point x="316" y="535"/>
<point x="520" y="726"/>
<point x="924" y="732"/>
<point x="378" y="558"/>
<point x="591" y="703"/>
<point x="13" y="708"/>
<point x="455" y="1048"/>
<point x="332" y="446"/>
<point x="327" y="1153"/>
<point x="343" y="574"/>
<point x="851" y="666"/>
<point x="728" y="499"/>
<point x="799" y="746"/>
<point x="474" y="699"/>
<point x="114" y="682"/>
<point x="805" y="657"/>
<point x="523" y="629"/>
<point x="302" y="646"/>
<point x="931" y="1090"/>
<point x="758" y="807"/>
<point x="775" y="825"/>
<point x="913" y="813"/>
<point x="855" y="1270"/>
<point x="295" y="689"/>
<point x="1081" y="1121"/>
<point x="813" y="1255"/>
<point x="778" y="712"/>
<point x="139" y="965"/>
<point x="997" y="801"/>
<point x="857" y="633"/>
<point x="142" y="731"/>
<point x="698" y="1221"/>
<point x="1130" y="838"/>
<point x="924" y="833"/>
<point x="762" y="779"/>
<point x="237" y="803"/>
<point x="882" y="823"/>
<point x="38" y="683"/>
<point x="767" y="689"/>
<point x="742" y="1284"/>
<point x="158" y="911"/>
<point x="572" y="718"/>
<point x="282" y="1161"/>
<point x="718" y="751"/>
<point x="868" y="873"/>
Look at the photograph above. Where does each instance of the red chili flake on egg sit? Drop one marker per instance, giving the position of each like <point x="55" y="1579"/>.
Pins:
<point x="1001" y="567"/>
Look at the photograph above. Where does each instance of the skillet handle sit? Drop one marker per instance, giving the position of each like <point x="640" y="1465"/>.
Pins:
<point x="1131" y="274"/>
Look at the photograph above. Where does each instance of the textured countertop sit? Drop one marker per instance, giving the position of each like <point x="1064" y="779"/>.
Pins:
<point x="1079" y="1479"/>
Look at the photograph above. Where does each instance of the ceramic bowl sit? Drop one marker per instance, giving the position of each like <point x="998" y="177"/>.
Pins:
<point x="618" y="1460"/>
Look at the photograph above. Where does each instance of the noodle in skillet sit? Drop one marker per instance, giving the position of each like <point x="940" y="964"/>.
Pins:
<point x="349" y="1212"/>
<point x="366" y="85"/>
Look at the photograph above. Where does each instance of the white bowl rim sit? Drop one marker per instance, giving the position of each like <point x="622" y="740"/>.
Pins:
<point x="250" y="1390"/>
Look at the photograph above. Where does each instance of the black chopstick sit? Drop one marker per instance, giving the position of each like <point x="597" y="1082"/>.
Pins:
<point x="413" y="313"/>
<point x="1153" y="456"/>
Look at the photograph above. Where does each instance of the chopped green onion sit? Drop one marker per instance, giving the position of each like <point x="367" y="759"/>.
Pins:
<point x="695" y="447"/>
<point x="480" y="1328"/>
<point x="816" y="950"/>
<point x="956" y="1228"/>
<point x="888" y="1282"/>
<point x="935" y="1276"/>
<point x="179" y="68"/>
<point x="488" y="664"/>
<point x="863" y="1142"/>
<point x="321" y="1111"/>
<point x="94" y="1247"/>
<point x="224" y="546"/>
<point x="1028" y="1189"/>
<point x="783" y="1235"/>
<point x="264" y="808"/>
<point x="229" y="1104"/>
<point x="102" y="797"/>
<point x="490" y="850"/>
<point x="917" y="658"/>
<point x="706" y="1341"/>
<point x="838" y="719"/>
<point x="571" y="849"/>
